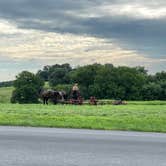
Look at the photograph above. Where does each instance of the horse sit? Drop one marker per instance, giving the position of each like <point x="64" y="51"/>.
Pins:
<point x="54" y="96"/>
<point x="63" y="95"/>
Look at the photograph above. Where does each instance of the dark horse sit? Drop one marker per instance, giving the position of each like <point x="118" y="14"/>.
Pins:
<point x="54" y="96"/>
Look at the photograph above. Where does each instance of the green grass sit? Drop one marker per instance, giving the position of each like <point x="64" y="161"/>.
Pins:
<point x="108" y="117"/>
<point x="5" y="94"/>
<point x="135" y="116"/>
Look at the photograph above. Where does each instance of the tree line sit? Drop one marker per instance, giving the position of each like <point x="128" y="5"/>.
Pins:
<point x="107" y="81"/>
<point x="102" y="81"/>
<point x="6" y="84"/>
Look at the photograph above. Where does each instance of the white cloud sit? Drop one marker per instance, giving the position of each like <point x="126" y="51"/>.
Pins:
<point x="135" y="9"/>
<point x="7" y="28"/>
<point x="49" y="48"/>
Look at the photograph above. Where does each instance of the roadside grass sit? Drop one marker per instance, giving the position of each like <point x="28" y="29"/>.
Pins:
<point x="5" y="94"/>
<point x="135" y="116"/>
<point x="150" y="118"/>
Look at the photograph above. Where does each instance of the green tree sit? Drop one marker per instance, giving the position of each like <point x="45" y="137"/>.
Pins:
<point x="55" y="74"/>
<point x="59" y="76"/>
<point x="151" y="91"/>
<point x="160" y="76"/>
<point x="85" y="77"/>
<point x="163" y="91"/>
<point x="119" y="82"/>
<point x="27" y="86"/>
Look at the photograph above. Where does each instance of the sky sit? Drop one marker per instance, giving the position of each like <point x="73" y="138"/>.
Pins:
<point x="34" y="33"/>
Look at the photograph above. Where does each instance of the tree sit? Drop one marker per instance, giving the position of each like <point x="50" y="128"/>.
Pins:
<point x="27" y="86"/>
<point x="55" y="74"/>
<point x="59" y="76"/>
<point x="151" y="91"/>
<point x="163" y="91"/>
<point x="43" y="75"/>
<point x="85" y="77"/>
<point x="160" y="76"/>
<point x="119" y="82"/>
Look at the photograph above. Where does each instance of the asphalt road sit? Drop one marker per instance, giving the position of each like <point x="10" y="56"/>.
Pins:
<point x="21" y="146"/>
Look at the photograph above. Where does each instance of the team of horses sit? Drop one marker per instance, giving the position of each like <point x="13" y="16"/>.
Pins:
<point x="53" y="96"/>
<point x="62" y="97"/>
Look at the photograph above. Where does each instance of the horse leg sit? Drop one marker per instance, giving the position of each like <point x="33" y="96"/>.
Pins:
<point x="47" y="101"/>
<point x="55" y="102"/>
<point x="44" y="101"/>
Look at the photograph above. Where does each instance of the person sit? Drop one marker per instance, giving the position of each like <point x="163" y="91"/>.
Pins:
<point x="75" y="92"/>
<point x="75" y="87"/>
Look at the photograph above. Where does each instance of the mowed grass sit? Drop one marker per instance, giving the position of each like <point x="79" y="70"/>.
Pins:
<point x="136" y="116"/>
<point x="108" y="117"/>
<point x="5" y="94"/>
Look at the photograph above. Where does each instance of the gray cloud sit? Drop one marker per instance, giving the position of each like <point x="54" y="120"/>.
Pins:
<point x="10" y="67"/>
<point x="144" y="35"/>
<point x="133" y="24"/>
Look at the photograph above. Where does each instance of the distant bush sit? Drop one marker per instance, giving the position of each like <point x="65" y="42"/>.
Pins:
<point x="6" y="84"/>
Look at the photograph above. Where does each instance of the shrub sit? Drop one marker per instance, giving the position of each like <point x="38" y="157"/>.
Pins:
<point x="27" y="86"/>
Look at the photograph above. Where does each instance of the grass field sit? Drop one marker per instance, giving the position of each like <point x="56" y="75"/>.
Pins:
<point x="136" y="115"/>
<point x="126" y="117"/>
<point x="5" y="94"/>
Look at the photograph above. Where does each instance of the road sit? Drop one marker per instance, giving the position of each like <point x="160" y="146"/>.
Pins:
<point x="20" y="146"/>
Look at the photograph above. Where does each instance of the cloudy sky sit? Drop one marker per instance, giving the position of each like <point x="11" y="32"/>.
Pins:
<point x="34" y="33"/>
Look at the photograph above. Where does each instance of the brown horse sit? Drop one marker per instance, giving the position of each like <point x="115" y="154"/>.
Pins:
<point x="52" y="95"/>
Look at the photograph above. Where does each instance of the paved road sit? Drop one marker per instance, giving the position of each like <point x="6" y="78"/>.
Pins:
<point x="21" y="146"/>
